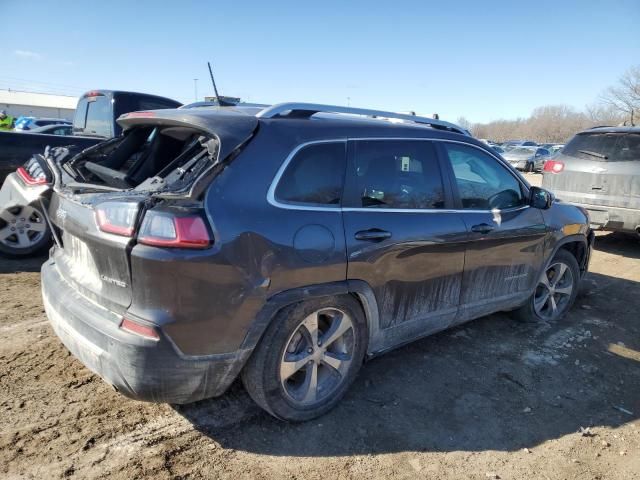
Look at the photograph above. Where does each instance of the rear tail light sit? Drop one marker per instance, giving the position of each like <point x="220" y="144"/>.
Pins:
<point x="38" y="179"/>
<point x="139" y="329"/>
<point x="164" y="229"/>
<point x="553" y="166"/>
<point x="118" y="218"/>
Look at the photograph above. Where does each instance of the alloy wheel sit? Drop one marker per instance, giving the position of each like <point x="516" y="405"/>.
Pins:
<point x="317" y="356"/>
<point x="21" y="226"/>
<point x="553" y="293"/>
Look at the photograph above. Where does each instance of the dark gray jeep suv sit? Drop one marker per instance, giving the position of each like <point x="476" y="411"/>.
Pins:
<point x="286" y="245"/>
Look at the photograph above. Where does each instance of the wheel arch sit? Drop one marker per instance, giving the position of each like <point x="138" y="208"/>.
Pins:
<point x="577" y="245"/>
<point x="358" y="289"/>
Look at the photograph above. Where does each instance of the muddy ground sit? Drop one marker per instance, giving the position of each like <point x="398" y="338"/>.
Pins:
<point x="491" y="399"/>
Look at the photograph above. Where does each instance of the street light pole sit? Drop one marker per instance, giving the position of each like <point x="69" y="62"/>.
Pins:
<point x="195" y="89"/>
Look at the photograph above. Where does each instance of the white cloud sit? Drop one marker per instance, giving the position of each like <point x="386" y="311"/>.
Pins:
<point x="27" y="54"/>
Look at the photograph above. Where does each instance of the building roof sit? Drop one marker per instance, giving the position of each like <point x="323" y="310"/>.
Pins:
<point x="13" y="97"/>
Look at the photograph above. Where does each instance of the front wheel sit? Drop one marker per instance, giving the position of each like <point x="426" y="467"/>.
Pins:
<point x="23" y="231"/>
<point x="555" y="292"/>
<point x="307" y="358"/>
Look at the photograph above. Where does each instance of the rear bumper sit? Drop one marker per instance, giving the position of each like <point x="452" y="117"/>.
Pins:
<point x="612" y="218"/>
<point x="140" y="368"/>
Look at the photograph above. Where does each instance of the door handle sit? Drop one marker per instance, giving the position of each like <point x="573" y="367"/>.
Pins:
<point x="482" y="228"/>
<point x="374" y="234"/>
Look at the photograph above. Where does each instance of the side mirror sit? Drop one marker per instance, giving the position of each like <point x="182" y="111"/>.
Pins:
<point x="540" y="198"/>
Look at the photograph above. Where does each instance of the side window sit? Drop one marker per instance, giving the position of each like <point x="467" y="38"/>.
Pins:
<point x="628" y="148"/>
<point x="397" y="174"/>
<point x="483" y="183"/>
<point x="314" y="176"/>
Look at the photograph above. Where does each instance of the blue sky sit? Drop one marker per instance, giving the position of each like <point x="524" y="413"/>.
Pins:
<point x="481" y="60"/>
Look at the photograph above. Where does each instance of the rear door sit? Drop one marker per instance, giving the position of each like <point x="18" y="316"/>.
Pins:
<point x="506" y="235"/>
<point x="401" y="237"/>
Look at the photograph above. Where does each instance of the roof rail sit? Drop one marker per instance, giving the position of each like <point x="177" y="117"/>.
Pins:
<point x="308" y="109"/>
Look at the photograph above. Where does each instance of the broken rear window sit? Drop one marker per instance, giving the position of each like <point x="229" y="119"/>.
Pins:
<point x="148" y="158"/>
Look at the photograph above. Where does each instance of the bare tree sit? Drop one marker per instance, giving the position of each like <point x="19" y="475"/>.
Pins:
<point x="625" y="95"/>
<point x="464" y="123"/>
<point x="604" y="114"/>
<point x="558" y="123"/>
<point x="547" y="124"/>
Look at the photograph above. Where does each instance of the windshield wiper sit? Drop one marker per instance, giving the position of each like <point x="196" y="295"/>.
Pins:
<point x="594" y="154"/>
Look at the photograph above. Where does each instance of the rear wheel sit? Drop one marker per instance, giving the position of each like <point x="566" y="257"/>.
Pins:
<point x="23" y="231"/>
<point x="308" y="357"/>
<point x="555" y="292"/>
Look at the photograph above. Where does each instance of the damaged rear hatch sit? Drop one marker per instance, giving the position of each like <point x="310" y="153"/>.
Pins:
<point x="163" y="163"/>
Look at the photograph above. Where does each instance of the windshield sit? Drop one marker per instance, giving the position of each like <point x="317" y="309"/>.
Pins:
<point x="605" y="147"/>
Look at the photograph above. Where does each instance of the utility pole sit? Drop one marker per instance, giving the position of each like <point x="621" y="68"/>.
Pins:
<point x="195" y="89"/>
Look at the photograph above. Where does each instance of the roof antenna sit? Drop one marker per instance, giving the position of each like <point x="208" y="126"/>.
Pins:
<point x="215" y="89"/>
<point x="221" y="102"/>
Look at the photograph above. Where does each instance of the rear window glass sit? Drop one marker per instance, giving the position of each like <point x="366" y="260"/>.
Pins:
<point x="99" y="117"/>
<point x="606" y="147"/>
<point x="314" y="176"/>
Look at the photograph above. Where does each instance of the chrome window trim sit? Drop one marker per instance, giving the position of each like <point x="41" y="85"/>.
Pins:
<point x="271" y="193"/>
<point x="290" y="206"/>
<point x="430" y="210"/>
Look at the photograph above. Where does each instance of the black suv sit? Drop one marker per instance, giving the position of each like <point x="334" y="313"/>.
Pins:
<point x="288" y="244"/>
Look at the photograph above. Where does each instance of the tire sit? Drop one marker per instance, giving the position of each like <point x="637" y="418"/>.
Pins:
<point x="560" y="290"/>
<point x="23" y="231"/>
<point x="279" y="375"/>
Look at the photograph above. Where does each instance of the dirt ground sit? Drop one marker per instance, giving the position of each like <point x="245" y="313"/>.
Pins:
<point x="491" y="399"/>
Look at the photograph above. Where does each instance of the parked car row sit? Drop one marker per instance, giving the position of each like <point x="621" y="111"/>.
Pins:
<point x="25" y="124"/>
<point x="527" y="159"/>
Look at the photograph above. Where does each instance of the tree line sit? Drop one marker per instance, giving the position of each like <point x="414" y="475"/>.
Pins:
<point x="618" y="104"/>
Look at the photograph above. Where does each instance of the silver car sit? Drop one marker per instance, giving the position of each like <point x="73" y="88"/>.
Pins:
<point x="527" y="159"/>
<point x="599" y="169"/>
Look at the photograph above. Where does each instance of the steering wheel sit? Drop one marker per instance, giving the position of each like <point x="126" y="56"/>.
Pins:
<point x="504" y="199"/>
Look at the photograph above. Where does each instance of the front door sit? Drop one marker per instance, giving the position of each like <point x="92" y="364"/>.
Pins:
<point x="401" y="239"/>
<point x="506" y="236"/>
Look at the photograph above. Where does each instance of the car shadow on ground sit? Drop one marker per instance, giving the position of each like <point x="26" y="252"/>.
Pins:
<point x="624" y="244"/>
<point x="17" y="265"/>
<point x="492" y="384"/>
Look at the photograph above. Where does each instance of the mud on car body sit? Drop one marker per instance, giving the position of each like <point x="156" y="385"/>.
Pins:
<point x="288" y="245"/>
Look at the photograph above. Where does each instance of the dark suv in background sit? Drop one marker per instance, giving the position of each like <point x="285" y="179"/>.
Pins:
<point x="288" y="244"/>
<point x="600" y="170"/>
